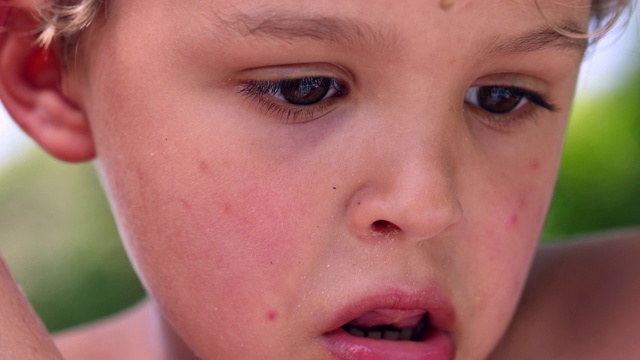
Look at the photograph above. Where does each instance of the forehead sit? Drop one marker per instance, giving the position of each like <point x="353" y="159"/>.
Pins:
<point x="358" y="22"/>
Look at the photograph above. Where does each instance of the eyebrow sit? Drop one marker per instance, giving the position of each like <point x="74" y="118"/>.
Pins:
<point x="325" y="29"/>
<point x="359" y="34"/>
<point x="539" y="39"/>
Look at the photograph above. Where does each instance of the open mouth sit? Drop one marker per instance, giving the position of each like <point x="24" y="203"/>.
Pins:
<point x="394" y="327"/>
<point x="417" y="332"/>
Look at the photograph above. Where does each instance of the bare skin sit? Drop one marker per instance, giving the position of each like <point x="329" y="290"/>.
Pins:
<point x="574" y="291"/>
<point x="580" y="302"/>
<point x="126" y="335"/>
<point x="410" y="192"/>
<point x="27" y="338"/>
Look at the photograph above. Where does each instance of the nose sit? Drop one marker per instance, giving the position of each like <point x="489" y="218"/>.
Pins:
<point x="411" y="193"/>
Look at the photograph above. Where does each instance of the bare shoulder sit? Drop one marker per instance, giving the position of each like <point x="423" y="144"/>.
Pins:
<point x="580" y="301"/>
<point x="125" y="336"/>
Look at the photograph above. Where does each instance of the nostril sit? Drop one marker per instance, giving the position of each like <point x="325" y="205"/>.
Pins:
<point x="384" y="227"/>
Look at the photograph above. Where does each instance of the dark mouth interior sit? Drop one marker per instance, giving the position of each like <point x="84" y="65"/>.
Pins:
<point x="389" y="332"/>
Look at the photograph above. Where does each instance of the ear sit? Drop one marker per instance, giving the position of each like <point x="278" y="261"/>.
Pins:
<point x="32" y="92"/>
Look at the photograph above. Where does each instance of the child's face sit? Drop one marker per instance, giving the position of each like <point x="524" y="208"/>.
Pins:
<point x="415" y="180"/>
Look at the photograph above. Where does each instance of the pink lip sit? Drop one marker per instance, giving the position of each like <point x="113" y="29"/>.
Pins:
<point x="437" y="346"/>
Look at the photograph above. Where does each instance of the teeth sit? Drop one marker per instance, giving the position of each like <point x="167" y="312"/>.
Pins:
<point x="389" y="332"/>
<point x="391" y="335"/>
<point x="405" y="334"/>
<point x="356" y="332"/>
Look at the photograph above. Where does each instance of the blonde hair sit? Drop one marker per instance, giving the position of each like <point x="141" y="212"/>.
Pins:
<point x="65" y="20"/>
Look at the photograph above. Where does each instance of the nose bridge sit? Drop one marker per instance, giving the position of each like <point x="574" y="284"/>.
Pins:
<point x="412" y="191"/>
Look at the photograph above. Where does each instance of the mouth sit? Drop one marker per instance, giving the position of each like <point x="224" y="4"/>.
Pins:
<point x="411" y="328"/>
<point x="385" y="328"/>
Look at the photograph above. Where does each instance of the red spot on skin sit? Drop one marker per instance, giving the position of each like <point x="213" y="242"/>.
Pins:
<point x="534" y="165"/>
<point x="522" y="203"/>
<point x="272" y="315"/>
<point x="513" y="220"/>
<point x="227" y="208"/>
<point x="204" y="167"/>
<point x="186" y="204"/>
<point x="142" y="177"/>
<point x="452" y="61"/>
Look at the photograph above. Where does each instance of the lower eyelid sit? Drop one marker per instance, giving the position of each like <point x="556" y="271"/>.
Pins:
<point x="509" y="122"/>
<point x="288" y="114"/>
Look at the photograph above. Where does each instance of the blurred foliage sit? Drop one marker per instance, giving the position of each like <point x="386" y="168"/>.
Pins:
<point x="59" y="238"/>
<point x="599" y="182"/>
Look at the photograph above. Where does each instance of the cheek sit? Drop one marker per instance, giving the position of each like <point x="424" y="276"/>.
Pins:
<point x="214" y="217"/>
<point x="518" y="188"/>
<point x="207" y="238"/>
<point x="252" y="223"/>
<point x="502" y="235"/>
<point x="517" y="225"/>
<point x="516" y="234"/>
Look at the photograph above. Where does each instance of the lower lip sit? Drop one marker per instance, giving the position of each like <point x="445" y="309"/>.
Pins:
<point x="344" y="346"/>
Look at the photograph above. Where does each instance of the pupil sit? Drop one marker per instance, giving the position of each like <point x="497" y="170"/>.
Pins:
<point x="305" y="91"/>
<point x="497" y="99"/>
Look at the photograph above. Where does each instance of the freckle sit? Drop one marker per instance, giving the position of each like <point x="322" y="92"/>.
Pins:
<point x="272" y="315"/>
<point x="334" y="188"/>
<point x="358" y="202"/>
<point x="534" y="165"/>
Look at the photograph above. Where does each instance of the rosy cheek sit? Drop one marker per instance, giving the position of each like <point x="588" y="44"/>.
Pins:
<point x="526" y="215"/>
<point x="242" y="222"/>
<point x="518" y="210"/>
<point x="259" y="230"/>
<point x="528" y="210"/>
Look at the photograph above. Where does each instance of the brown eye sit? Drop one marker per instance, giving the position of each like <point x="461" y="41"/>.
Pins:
<point x="496" y="99"/>
<point x="305" y="91"/>
<point x="299" y="100"/>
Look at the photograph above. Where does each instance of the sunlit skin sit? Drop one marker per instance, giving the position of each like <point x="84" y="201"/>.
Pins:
<point x="255" y="224"/>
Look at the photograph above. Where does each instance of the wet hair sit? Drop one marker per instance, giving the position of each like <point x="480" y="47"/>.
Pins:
<point x="65" y="20"/>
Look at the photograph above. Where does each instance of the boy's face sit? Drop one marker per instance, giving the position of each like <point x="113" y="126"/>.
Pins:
<point x="411" y="178"/>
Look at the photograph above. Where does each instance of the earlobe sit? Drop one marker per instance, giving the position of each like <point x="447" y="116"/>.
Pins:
<point x="31" y="90"/>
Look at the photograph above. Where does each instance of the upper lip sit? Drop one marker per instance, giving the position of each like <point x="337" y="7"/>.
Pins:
<point x="431" y="300"/>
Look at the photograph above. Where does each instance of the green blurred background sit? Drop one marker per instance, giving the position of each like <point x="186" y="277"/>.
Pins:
<point x="58" y="236"/>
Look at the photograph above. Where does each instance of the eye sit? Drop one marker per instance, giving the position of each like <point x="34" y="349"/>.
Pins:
<point x="307" y="91"/>
<point x="496" y="99"/>
<point x="502" y="107"/>
<point x="300" y="99"/>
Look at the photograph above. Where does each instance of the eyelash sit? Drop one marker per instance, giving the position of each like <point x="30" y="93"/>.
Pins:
<point x="268" y="94"/>
<point x="529" y="104"/>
